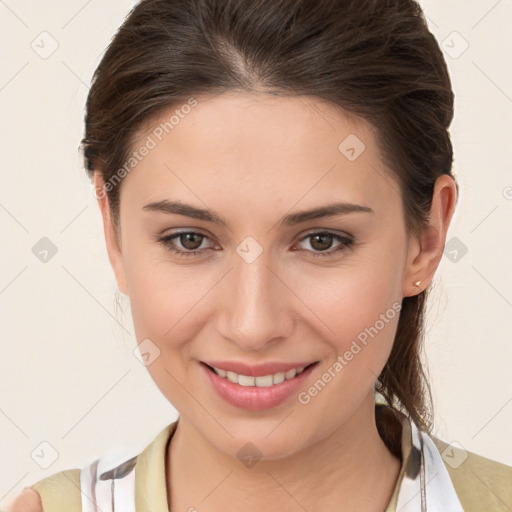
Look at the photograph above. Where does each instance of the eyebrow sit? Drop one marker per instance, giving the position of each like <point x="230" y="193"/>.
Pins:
<point x="292" y="219"/>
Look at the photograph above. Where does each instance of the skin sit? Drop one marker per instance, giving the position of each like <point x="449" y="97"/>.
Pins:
<point x="253" y="158"/>
<point x="27" y="501"/>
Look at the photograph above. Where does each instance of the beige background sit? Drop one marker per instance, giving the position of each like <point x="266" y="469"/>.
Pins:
<point x="68" y="376"/>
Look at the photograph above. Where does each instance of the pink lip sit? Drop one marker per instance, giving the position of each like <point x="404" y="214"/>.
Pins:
<point x="255" y="398"/>
<point x="256" y="370"/>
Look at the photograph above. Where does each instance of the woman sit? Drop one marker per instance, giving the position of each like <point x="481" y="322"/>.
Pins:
<point x="275" y="182"/>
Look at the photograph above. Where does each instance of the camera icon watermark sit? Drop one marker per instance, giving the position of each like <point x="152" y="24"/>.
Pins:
<point x="146" y="352"/>
<point x="454" y="454"/>
<point x="249" y="249"/>
<point x="45" y="45"/>
<point x="44" y="250"/>
<point x="455" y="249"/>
<point x="351" y="147"/>
<point x="44" y="454"/>
<point x="454" y="45"/>
<point x="249" y="454"/>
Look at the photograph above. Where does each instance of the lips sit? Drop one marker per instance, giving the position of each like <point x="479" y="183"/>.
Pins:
<point x="249" y="394"/>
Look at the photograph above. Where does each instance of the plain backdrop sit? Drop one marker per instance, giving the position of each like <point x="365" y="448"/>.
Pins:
<point x="70" y="385"/>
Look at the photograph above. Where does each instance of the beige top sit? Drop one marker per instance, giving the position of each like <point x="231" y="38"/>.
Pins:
<point x="482" y="485"/>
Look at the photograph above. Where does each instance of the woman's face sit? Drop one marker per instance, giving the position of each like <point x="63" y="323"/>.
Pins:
<point x="261" y="287"/>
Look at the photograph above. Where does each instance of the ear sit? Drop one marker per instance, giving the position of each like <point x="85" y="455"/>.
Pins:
<point x="425" y="253"/>
<point x="111" y="239"/>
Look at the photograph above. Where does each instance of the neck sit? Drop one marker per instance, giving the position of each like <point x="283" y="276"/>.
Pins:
<point x="352" y="466"/>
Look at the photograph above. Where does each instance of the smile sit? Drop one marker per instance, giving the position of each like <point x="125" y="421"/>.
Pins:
<point x="264" y="381"/>
<point x="274" y="383"/>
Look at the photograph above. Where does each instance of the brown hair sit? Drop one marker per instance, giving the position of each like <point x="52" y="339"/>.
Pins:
<point x="374" y="58"/>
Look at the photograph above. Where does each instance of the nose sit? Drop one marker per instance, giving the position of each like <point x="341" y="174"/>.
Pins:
<point x="257" y="309"/>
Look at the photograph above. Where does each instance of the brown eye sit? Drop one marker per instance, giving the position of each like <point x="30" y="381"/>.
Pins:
<point x="191" y="241"/>
<point x="186" y="243"/>
<point x="321" y="242"/>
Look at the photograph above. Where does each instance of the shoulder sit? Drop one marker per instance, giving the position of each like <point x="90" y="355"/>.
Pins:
<point x="481" y="484"/>
<point x="60" y="492"/>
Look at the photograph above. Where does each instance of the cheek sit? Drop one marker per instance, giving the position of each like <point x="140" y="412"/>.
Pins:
<point x="358" y="316"/>
<point x="166" y="300"/>
<point x="162" y="292"/>
<point x="357" y="308"/>
<point x="362" y="326"/>
<point x="354" y="300"/>
<point x="166" y="306"/>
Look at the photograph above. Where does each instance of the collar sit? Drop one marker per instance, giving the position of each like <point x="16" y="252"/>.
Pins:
<point x="423" y="482"/>
<point x="118" y="483"/>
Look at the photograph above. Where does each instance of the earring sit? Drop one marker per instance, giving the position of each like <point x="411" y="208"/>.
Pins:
<point x="417" y="283"/>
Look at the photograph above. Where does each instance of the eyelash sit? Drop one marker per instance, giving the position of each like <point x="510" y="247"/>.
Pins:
<point x="345" y="243"/>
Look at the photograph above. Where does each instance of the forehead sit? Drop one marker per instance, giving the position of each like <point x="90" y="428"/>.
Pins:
<point x="259" y="146"/>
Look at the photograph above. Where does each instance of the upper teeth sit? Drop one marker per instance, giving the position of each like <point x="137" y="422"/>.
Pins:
<point x="260" y="382"/>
